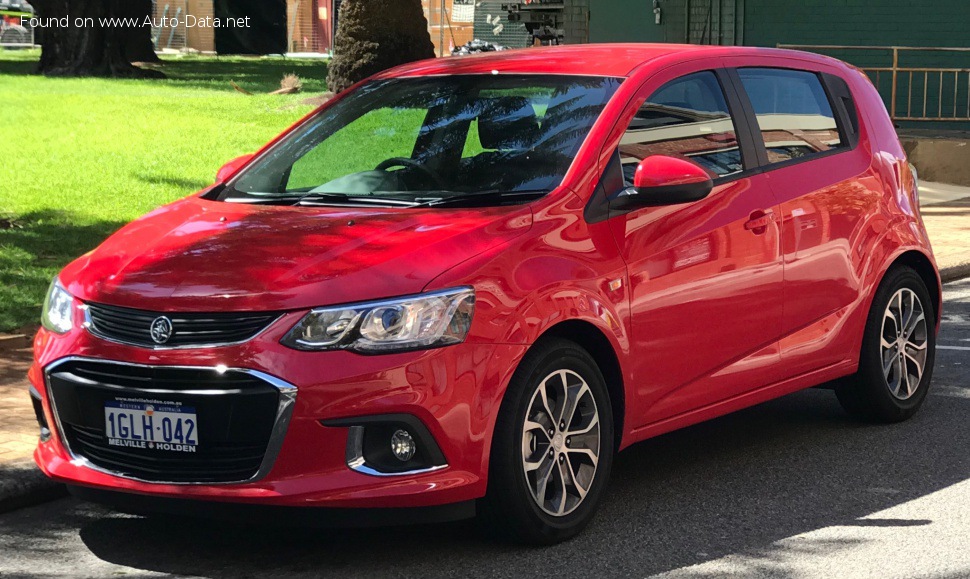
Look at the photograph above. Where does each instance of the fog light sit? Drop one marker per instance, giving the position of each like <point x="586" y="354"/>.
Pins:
<point x="389" y="444"/>
<point x="403" y="445"/>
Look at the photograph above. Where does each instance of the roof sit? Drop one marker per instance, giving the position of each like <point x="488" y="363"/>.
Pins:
<point x="580" y="59"/>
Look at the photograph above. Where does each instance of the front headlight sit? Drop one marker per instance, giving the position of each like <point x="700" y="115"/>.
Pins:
<point x="407" y="323"/>
<point x="58" y="314"/>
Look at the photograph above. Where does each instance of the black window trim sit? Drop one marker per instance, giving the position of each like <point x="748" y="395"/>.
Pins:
<point x="597" y="209"/>
<point x="851" y="140"/>
<point x="749" y="132"/>
<point x="840" y="96"/>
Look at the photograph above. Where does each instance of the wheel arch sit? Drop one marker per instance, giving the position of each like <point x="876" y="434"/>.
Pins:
<point x="595" y="342"/>
<point x="921" y="264"/>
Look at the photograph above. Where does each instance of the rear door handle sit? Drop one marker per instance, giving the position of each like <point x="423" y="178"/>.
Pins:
<point x="759" y="221"/>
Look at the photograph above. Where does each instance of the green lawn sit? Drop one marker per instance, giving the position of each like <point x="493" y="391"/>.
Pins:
<point x="81" y="157"/>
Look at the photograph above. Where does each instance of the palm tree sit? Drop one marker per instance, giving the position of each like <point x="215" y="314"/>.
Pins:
<point x="374" y="35"/>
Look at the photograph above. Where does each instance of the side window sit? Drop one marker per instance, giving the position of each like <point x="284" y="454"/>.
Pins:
<point x="689" y="118"/>
<point x="794" y="114"/>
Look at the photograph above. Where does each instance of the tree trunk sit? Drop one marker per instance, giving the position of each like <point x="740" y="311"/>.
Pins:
<point x="138" y="41"/>
<point x="374" y="35"/>
<point x="91" y="50"/>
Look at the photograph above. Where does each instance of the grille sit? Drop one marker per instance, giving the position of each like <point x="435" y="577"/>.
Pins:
<point x="131" y="326"/>
<point x="236" y="414"/>
<point x="233" y="463"/>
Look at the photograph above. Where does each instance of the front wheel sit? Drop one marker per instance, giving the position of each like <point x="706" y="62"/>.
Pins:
<point x="553" y="447"/>
<point x="898" y="352"/>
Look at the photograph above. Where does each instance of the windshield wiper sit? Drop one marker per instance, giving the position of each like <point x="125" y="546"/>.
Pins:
<point x="314" y="199"/>
<point x="475" y="199"/>
<point x="320" y="199"/>
<point x="342" y="199"/>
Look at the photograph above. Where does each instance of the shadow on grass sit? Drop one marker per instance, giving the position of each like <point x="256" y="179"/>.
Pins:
<point x="33" y="248"/>
<point x="17" y="65"/>
<point x="186" y="184"/>
<point x="254" y="74"/>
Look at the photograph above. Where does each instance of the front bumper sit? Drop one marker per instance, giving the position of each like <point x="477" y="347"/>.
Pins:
<point x="454" y="392"/>
<point x="274" y="515"/>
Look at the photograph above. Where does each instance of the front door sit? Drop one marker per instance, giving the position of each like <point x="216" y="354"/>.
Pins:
<point x="705" y="277"/>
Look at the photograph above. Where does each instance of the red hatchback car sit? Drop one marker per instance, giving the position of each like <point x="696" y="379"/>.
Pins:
<point x="465" y="284"/>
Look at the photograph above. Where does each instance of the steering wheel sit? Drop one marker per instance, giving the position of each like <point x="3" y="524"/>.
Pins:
<point x="405" y="162"/>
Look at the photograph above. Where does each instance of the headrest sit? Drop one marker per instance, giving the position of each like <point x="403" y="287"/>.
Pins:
<point x="508" y="123"/>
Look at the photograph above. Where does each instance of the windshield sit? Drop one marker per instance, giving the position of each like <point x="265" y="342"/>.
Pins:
<point x="422" y="139"/>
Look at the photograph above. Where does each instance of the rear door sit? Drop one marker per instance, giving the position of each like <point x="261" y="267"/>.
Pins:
<point x="809" y="148"/>
<point x="705" y="277"/>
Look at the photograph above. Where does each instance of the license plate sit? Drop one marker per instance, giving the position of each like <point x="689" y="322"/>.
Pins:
<point x="151" y="426"/>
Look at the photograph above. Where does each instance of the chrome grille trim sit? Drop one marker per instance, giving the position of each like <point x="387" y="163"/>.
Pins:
<point x="284" y="413"/>
<point x="131" y="327"/>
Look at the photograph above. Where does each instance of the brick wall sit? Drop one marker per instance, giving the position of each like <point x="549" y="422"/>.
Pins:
<point x="201" y="38"/>
<point x="455" y="26"/>
<point x="576" y="21"/>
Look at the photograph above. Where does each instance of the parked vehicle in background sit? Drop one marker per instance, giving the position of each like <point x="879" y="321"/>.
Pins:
<point x="16" y="5"/>
<point x="13" y="34"/>
<point x="462" y="287"/>
<point x="476" y="46"/>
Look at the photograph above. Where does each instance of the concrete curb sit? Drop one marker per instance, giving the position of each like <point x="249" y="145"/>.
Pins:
<point x="954" y="273"/>
<point x="23" y="485"/>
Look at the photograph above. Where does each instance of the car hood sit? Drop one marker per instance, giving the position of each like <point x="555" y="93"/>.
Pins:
<point x="198" y="255"/>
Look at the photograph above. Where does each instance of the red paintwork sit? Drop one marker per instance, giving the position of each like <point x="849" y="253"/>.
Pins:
<point x="280" y="258"/>
<point x="664" y="171"/>
<point x="760" y="289"/>
<point x="232" y="167"/>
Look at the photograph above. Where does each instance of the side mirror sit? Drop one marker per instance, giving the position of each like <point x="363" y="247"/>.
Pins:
<point x="230" y="168"/>
<point x="662" y="180"/>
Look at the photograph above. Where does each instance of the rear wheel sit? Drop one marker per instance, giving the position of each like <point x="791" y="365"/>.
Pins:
<point x="898" y="352"/>
<point x="552" y="449"/>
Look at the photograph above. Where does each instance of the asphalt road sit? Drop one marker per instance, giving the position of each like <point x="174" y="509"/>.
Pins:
<point x="791" y="488"/>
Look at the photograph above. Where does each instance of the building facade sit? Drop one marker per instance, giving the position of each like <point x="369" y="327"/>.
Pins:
<point x="278" y="26"/>
<point x="896" y="43"/>
<point x="923" y="85"/>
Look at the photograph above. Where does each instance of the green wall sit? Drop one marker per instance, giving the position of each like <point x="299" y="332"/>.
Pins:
<point x="770" y="22"/>
<point x="927" y="23"/>
<point x="623" y="21"/>
<point x="858" y="22"/>
<point x="921" y="23"/>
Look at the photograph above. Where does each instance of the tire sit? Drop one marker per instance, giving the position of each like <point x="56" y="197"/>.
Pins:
<point x="511" y="509"/>
<point x="893" y="392"/>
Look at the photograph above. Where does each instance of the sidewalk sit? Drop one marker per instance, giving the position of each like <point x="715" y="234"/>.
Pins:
<point x="946" y="213"/>
<point x="21" y="483"/>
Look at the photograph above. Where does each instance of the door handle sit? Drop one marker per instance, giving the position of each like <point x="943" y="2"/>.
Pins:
<point x="759" y="221"/>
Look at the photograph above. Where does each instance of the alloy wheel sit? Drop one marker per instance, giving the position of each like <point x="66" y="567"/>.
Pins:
<point x="561" y="442"/>
<point x="903" y="343"/>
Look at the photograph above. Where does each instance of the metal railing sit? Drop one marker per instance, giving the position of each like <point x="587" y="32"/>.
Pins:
<point x="918" y="90"/>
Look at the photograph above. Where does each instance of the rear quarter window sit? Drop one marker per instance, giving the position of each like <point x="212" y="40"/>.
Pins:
<point x="794" y="114"/>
